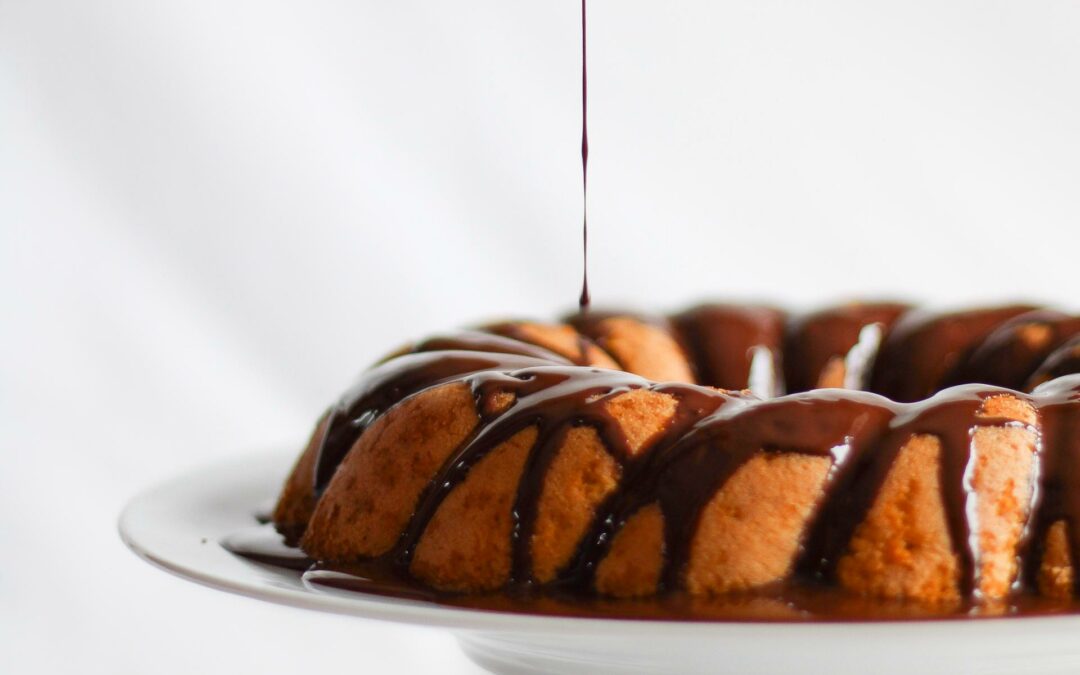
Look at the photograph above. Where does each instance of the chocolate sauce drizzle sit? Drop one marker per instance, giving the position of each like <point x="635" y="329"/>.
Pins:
<point x="1058" y="495"/>
<point x="390" y="382"/>
<point x="713" y="433"/>
<point x="720" y="340"/>
<point x="584" y="300"/>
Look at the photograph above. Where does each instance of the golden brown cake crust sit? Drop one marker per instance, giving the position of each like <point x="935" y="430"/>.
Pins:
<point x="297" y="500"/>
<point x="902" y="549"/>
<point x="559" y="338"/>
<point x="632" y="566"/>
<point x="369" y="501"/>
<point x="466" y="545"/>
<point x="581" y="476"/>
<point x="750" y="531"/>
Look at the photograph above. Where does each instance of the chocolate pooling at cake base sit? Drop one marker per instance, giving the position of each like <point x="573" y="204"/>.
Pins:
<point x="711" y="435"/>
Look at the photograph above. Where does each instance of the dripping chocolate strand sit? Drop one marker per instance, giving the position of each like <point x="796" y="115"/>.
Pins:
<point x="584" y="299"/>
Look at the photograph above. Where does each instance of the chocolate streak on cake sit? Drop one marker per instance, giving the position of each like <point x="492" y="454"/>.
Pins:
<point x="952" y="416"/>
<point x="721" y="340"/>
<point x="815" y="342"/>
<point x="515" y="331"/>
<point x="1065" y="360"/>
<point x="1058" y="495"/>
<point x="923" y="348"/>
<point x="1015" y="349"/>
<point x="380" y="388"/>
<point x="552" y="399"/>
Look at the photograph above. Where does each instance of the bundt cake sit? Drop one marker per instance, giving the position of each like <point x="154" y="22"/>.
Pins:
<point x="884" y="451"/>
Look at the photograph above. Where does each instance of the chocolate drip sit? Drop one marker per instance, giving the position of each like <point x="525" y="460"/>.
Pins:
<point x="1009" y="355"/>
<point x="551" y="399"/>
<point x="694" y="404"/>
<point x="265" y="545"/>
<point x="1058" y="495"/>
<point x="721" y="339"/>
<point x="584" y="300"/>
<point x="952" y="417"/>
<point x="1065" y="360"/>
<point x="386" y="384"/>
<point x="697" y="466"/>
<point x="515" y="331"/>
<point x="492" y="342"/>
<point x="814" y="341"/>
<point x="922" y="349"/>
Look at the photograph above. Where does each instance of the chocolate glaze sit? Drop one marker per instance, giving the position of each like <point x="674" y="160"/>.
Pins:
<point x="552" y="399"/>
<point x="515" y="331"/>
<point x="1015" y="349"/>
<point x="386" y="384"/>
<point x="591" y="324"/>
<point x="951" y="416"/>
<point x="923" y="347"/>
<point x="814" y="340"/>
<point x="711" y="435"/>
<point x="491" y="341"/>
<point x="780" y="603"/>
<point x="720" y="340"/>
<point x="265" y="545"/>
<point x="1058" y="494"/>
<point x="1065" y="360"/>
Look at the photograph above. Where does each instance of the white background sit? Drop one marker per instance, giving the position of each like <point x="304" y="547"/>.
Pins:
<point x="212" y="214"/>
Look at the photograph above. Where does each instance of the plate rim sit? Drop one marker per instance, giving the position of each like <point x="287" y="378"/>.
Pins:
<point x="186" y="486"/>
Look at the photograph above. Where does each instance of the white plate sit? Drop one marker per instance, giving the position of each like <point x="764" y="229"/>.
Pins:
<point x="177" y="525"/>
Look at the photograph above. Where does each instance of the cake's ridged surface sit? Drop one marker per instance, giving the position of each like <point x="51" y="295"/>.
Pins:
<point x="494" y="458"/>
<point x="375" y="490"/>
<point x="1055" y="579"/>
<point x="580" y="477"/>
<point x="749" y="532"/>
<point x="817" y="345"/>
<point x="632" y="566"/>
<point x="559" y="338"/>
<point x="723" y="340"/>
<point x="644" y="347"/>
<point x="1065" y="360"/>
<point x="466" y="544"/>
<point x="1015" y="349"/>
<point x="923" y="348"/>
<point x="903" y="548"/>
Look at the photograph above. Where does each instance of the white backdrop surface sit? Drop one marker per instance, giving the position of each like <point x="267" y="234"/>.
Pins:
<point x="212" y="214"/>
